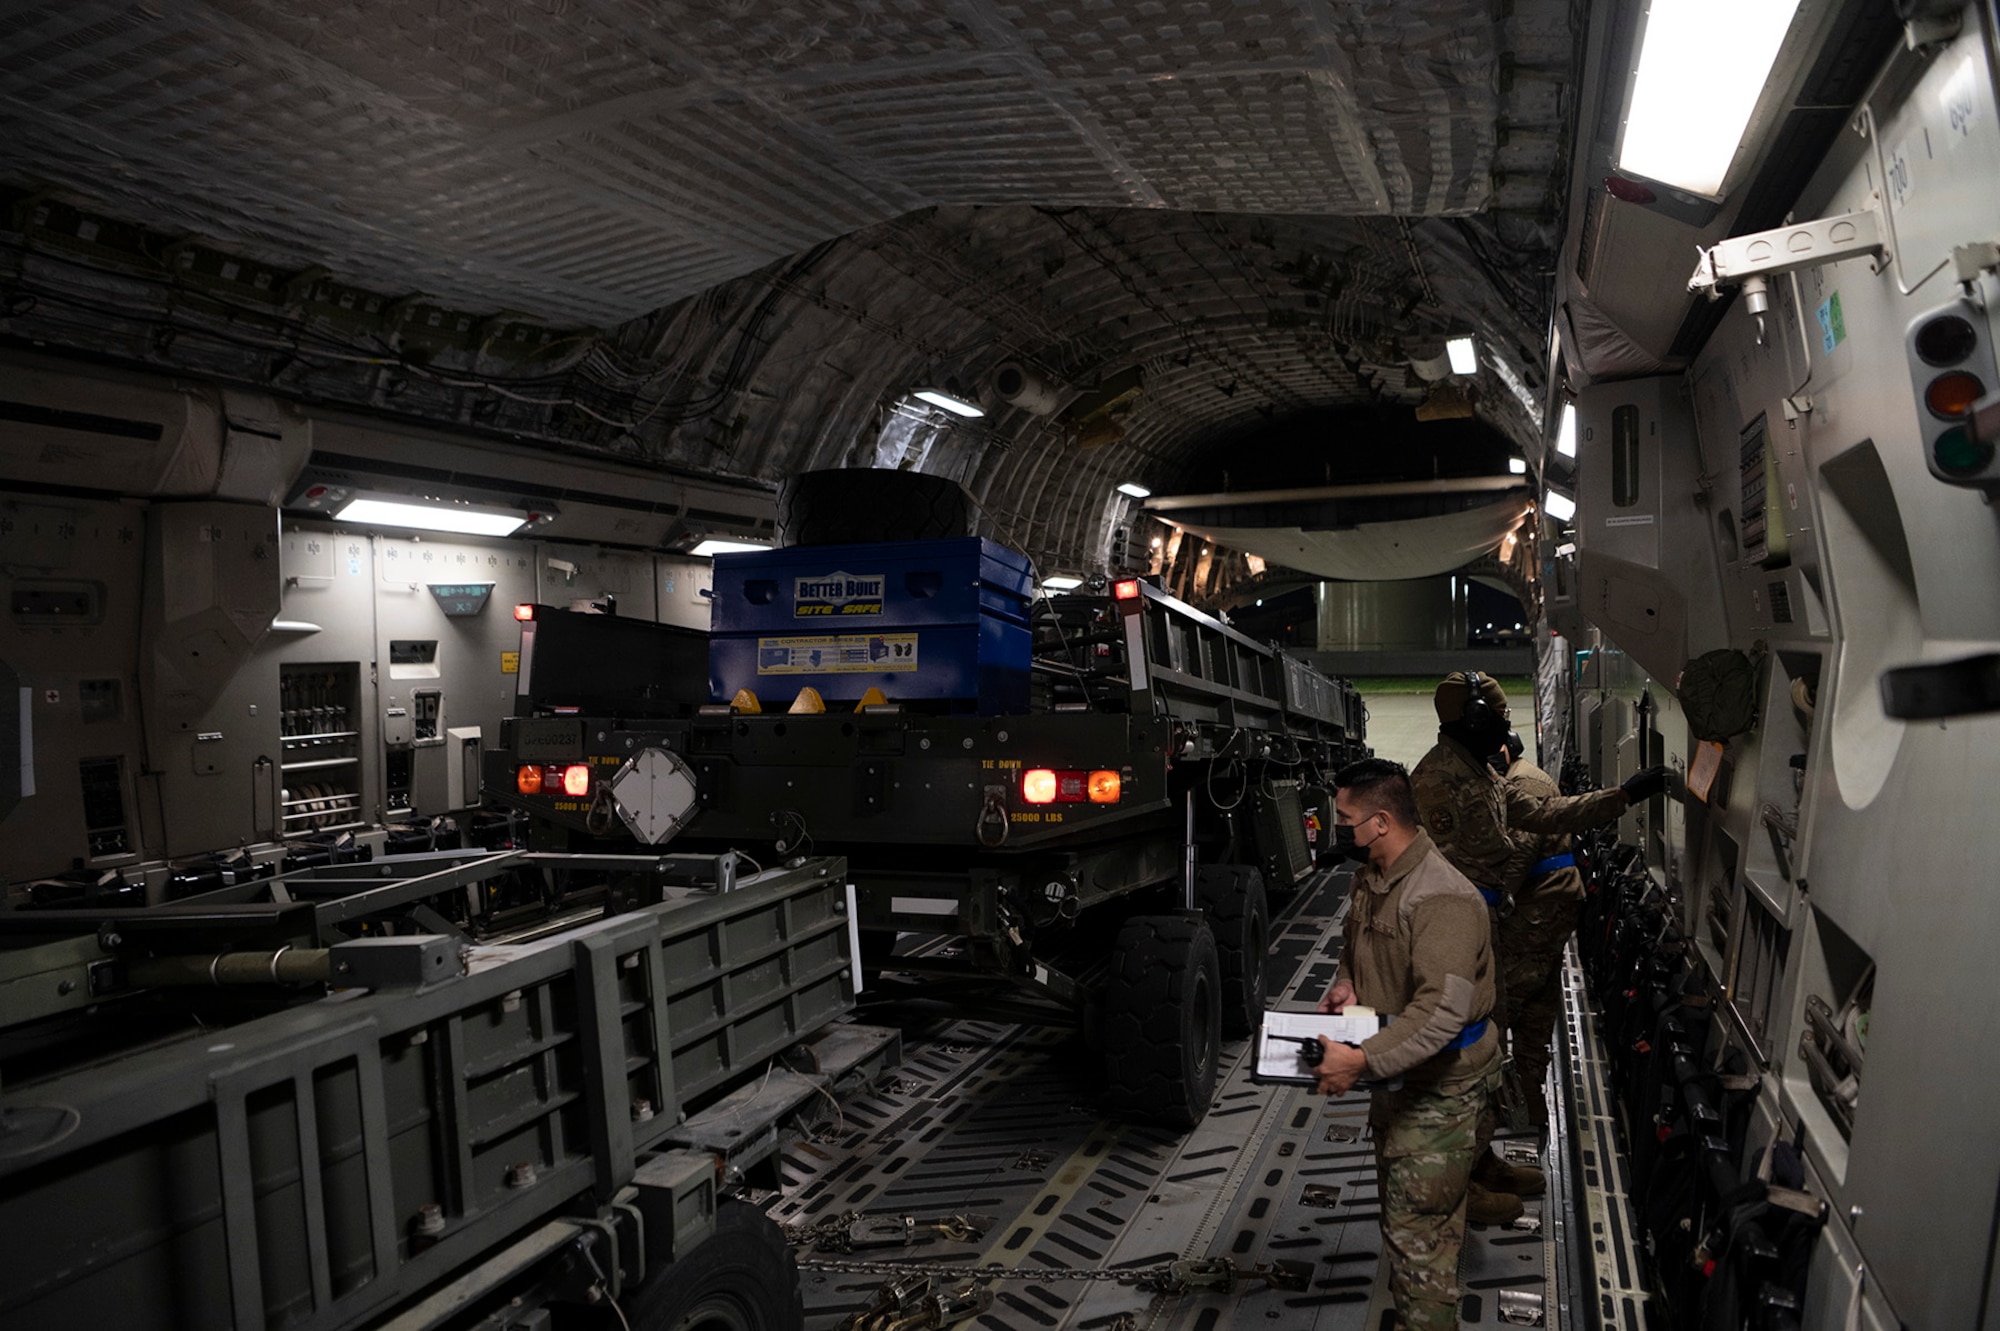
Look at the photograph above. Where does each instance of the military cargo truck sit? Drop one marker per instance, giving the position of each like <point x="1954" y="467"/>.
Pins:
<point x="1094" y="792"/>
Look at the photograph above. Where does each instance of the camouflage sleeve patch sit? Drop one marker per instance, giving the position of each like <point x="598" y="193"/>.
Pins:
<point x="1441" y="821"/>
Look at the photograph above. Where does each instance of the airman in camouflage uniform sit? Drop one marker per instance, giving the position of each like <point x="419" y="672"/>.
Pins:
<point x="1478" y="820"/>
<point x="1417" y="949"/>
<point x="1530" y="941"/>
<point x="1470" y="811"/>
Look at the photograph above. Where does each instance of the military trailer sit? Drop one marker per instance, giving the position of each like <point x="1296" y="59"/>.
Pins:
<point x="1090" y="793"/>
<point x="384" y="1093"/>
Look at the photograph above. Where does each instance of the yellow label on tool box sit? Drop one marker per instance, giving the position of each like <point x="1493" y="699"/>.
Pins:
<point x="837" y="654"/>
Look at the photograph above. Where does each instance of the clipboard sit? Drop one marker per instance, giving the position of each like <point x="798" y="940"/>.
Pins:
<point x="1278" y="1048"/>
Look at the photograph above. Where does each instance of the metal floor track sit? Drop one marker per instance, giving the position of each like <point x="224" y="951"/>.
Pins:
<point x="1612" y="1263"/>
<point x="998" y="1120"/>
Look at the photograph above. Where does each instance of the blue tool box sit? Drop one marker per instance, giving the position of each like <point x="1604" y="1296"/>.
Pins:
<point x="923" y="621"/>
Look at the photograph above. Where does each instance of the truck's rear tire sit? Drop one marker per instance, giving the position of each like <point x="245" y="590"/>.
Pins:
<point x="853" y="505"/>
<point x="1162" y="1020"/>
<point x="1238" y="913"/>
<point x="744" y="1278"/>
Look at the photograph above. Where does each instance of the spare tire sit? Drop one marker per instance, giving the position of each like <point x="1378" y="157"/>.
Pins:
<point x="854" y="505"/>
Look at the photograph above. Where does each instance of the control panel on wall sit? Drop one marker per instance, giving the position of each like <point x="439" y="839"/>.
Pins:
<point x="1760" y="523"/>
<point x="106" y="829"/>
<point x="405" y="729"/>
<point x="396" y="772"/>
<point x="427" y="715"/>
<point x="321" y="767"/>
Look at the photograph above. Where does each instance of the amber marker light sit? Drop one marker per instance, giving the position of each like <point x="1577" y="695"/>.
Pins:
<point x="576" y="779"/>
<point x="1126" y="589"/>
<point x="524" y="612"/>
<point x="1105" y="787"/>
<point x="528" y="780"/>
<point x="1038" y="786"/>
<point x="1952" y="395"/>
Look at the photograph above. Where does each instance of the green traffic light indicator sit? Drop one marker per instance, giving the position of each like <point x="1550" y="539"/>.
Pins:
<point x="1958" y="453"/>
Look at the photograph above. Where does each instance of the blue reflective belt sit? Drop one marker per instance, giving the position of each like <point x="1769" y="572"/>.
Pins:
<point x="1469" y="1036"/>
<point x="1492" y="894"/>
<point x="1551" y="864"/>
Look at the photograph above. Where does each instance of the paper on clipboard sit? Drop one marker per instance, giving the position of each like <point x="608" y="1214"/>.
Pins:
<point x="1277" y="1043"/>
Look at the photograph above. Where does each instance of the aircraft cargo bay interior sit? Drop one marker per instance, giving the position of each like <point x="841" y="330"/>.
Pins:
<point x="733" y="665"/>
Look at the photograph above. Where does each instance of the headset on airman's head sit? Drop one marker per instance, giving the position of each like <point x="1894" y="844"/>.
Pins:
<point x="1478" y="713"/>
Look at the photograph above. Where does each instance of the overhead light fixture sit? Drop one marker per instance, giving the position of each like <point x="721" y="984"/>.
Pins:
<point x="1517" y="466"/>
<point x="1134" y="489"/>
<point x="1559" y="506"/>
<point x="1430" y="368"/>
<point x="433" y="515"/>
<point x="1061" y="584"/>
<point x="713" y="546"/>
<point x="1566" y="431"/>
<point x="1463" y="359"/>
<point x="956" y="405"/>
<point x="1702" y="67"/>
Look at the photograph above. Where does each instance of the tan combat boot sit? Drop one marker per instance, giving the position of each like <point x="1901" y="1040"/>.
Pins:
<point x="1486" y="1207"/>
<point x="1496" y="1174"/>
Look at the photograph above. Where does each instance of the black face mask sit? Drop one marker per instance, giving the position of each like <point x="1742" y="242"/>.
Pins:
<point x="1480" y="738"/>
<point x="1345" y="847"/>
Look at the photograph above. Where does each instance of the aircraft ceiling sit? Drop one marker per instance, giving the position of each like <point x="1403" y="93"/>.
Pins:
<point x="752" y="227"/>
